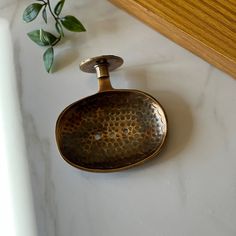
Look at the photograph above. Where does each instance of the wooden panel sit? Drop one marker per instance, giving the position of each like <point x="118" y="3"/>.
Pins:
<point x="205" y="27"/>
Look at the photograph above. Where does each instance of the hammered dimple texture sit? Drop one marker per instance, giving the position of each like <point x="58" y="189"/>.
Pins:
<point x="111" y="130"/>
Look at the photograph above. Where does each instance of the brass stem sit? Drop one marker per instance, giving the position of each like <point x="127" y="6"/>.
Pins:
<point x="102" y="70"/>
<point x="103" y="76"/>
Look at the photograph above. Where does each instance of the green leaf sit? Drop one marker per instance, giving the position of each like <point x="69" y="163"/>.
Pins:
<point x="44" y="15"/>
<point x="48" y="58"/>
<point x="59" y="29"/>
<point x="58" y="7"/>
<point x="35" y="37"/>
<point x="72" y="24"/>
<point x="47" y="37"/>
<point x="42" y="38"/>
<point x="32" y="11"/>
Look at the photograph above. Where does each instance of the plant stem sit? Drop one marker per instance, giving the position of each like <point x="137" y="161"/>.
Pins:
<point x="50" y="9"/>
<point x="55" y="18"/>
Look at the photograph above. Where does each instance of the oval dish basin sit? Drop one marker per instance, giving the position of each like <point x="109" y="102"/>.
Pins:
<point x="111" y="130"/>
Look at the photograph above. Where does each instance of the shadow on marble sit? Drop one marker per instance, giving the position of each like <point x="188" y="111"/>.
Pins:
<point x="180" y="123"/>
<point x="65" y="58"/>
<point x="69" y="53"/>
<point x="179" y="115"/>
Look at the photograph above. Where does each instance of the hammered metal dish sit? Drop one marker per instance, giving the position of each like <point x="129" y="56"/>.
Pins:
<point x="113" y="129"/>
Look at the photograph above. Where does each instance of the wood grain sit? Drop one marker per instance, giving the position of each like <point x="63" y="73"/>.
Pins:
<point x="205" y="27"/>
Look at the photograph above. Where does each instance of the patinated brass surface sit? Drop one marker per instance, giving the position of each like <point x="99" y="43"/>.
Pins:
<point x="111" y="130"/>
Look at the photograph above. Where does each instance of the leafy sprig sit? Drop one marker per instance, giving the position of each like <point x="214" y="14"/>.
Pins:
<point x="47" y="39"/>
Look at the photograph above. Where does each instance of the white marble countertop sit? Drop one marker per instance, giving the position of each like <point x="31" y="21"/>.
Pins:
<point x="189" y="190"/>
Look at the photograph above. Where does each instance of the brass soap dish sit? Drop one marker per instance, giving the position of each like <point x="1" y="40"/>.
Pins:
<point x="113" y="129"/>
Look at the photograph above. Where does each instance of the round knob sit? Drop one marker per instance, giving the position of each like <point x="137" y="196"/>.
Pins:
<point x="111" y="62"/>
